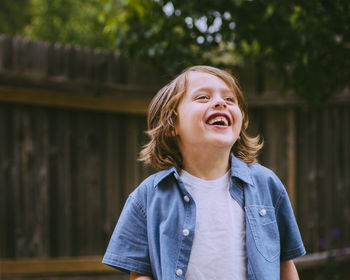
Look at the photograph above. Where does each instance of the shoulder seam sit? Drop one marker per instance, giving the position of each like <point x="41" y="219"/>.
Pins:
<point x="139" y="206"/>
<point x="282" y="193"/>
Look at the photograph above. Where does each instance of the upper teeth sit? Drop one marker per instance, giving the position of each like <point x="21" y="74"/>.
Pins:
<point x="218" y="119"/>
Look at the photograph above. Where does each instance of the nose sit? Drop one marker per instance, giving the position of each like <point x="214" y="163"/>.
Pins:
<point x="219" y="103"/>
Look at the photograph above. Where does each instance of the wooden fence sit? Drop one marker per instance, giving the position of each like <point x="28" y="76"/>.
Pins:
<point x="68" y="149"/>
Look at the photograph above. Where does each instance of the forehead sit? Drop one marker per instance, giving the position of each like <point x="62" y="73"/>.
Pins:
<point x="198" y="80"/>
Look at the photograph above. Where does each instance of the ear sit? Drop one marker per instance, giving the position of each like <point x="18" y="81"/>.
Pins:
<point x="173" y="132"/>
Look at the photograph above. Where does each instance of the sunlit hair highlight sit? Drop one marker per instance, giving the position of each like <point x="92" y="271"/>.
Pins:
<point x="162" y="150"/>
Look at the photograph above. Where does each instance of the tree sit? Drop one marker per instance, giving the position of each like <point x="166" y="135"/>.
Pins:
<point x="14" y="15"/>
<point x="67" y="21"/>
<point x="301" y="45"/>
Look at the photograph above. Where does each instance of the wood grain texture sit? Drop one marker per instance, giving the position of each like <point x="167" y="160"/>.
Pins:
<point x="59" y="266"/>
<point x="78" y="101"/>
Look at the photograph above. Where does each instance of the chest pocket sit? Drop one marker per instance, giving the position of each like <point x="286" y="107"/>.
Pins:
<point x="263" y="224"/>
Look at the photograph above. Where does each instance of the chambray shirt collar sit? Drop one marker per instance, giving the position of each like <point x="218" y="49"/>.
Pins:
<point x="239" y="169"/>
<point x="164" y="173"/>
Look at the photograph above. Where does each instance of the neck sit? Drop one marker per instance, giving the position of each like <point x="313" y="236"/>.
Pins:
<point x="208" y="164"/>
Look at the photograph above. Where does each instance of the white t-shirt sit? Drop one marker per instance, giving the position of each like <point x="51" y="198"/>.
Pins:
<point x="218" y="250"/>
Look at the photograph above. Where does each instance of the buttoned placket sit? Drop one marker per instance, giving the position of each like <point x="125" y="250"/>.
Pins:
<point x="187" y="230"/>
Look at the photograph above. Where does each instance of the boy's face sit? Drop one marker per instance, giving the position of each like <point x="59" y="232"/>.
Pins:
<point x="208" y="114"/>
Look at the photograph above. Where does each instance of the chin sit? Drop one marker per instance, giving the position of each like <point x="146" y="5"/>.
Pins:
<point x="224" y="144"/>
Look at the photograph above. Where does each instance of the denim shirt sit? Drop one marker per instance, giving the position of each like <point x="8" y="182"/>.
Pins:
<point x="155" y="230"/>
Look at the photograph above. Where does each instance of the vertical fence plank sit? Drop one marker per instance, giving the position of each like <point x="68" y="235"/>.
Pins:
<point x="341" y="174"/>
<point x="96" y="182"/>
<point x="314" y="147"/>
<point x="345" y="164"/>
<point x="6" y="225"/>
<point x="115" y="68"/>
<point x="290" y="156"/>
<point x="3" y="189"/>
<point x="338" y="178"/>
<point x="39" y="203"/>
<point x="145" y="170"/>
<point x="75" y="179"/>
<point x="113" y="197"/>
<point x="56" y="55"/>
<point x="65" y="176"/>
<point x="325" y="172"/>
<point x="132" y="178"/>
<point x="303" y="176"/>
<point x="6" y="53"/>
<point x="60" y="183"/>
<point x="17" y="183"/>
<point x="274" y="150"/>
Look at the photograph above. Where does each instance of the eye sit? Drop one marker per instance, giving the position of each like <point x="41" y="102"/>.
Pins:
<point x="202" y="97"/>
<point x="230" y="99"/>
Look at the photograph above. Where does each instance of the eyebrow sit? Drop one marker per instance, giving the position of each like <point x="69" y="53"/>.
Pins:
<point x="223" y="90"/>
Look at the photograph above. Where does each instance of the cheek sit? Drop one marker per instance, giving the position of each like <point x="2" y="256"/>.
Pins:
<point x="238" y="115"/>
<point x="241" y="117"/>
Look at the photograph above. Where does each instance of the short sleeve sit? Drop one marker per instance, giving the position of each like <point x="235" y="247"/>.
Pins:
<point x="128" y="246"/>
<point x="290" y="238"/>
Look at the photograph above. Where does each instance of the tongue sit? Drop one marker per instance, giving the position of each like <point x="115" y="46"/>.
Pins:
<point x="218" y="123"/>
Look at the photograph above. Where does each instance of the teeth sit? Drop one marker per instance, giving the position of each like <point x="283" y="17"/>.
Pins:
<point x="220" y="120"/>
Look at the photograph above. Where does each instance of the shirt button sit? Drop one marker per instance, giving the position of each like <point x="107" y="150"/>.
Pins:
<point x="179" y="272"/>
<point x="262" y="212"/>
<point x="185" y="232"/>
<point x="186" y="198"/>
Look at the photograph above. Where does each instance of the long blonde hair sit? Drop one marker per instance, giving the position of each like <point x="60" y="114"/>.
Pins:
<point x="162" y="150"/>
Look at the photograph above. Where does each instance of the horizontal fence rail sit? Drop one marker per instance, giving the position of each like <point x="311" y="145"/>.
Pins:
<point x="55" y="266"/>
<point x="76" y="101"/>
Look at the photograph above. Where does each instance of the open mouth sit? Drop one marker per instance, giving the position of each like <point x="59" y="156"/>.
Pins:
<point x="219" y="119"/>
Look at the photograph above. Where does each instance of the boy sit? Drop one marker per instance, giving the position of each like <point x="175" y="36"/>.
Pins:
<point x="211" y="212"/>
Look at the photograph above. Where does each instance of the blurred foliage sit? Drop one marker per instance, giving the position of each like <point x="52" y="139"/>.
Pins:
<point x="301" y="45"/>
<point x="67" y="21"/>
<point x="14" y="15"/>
